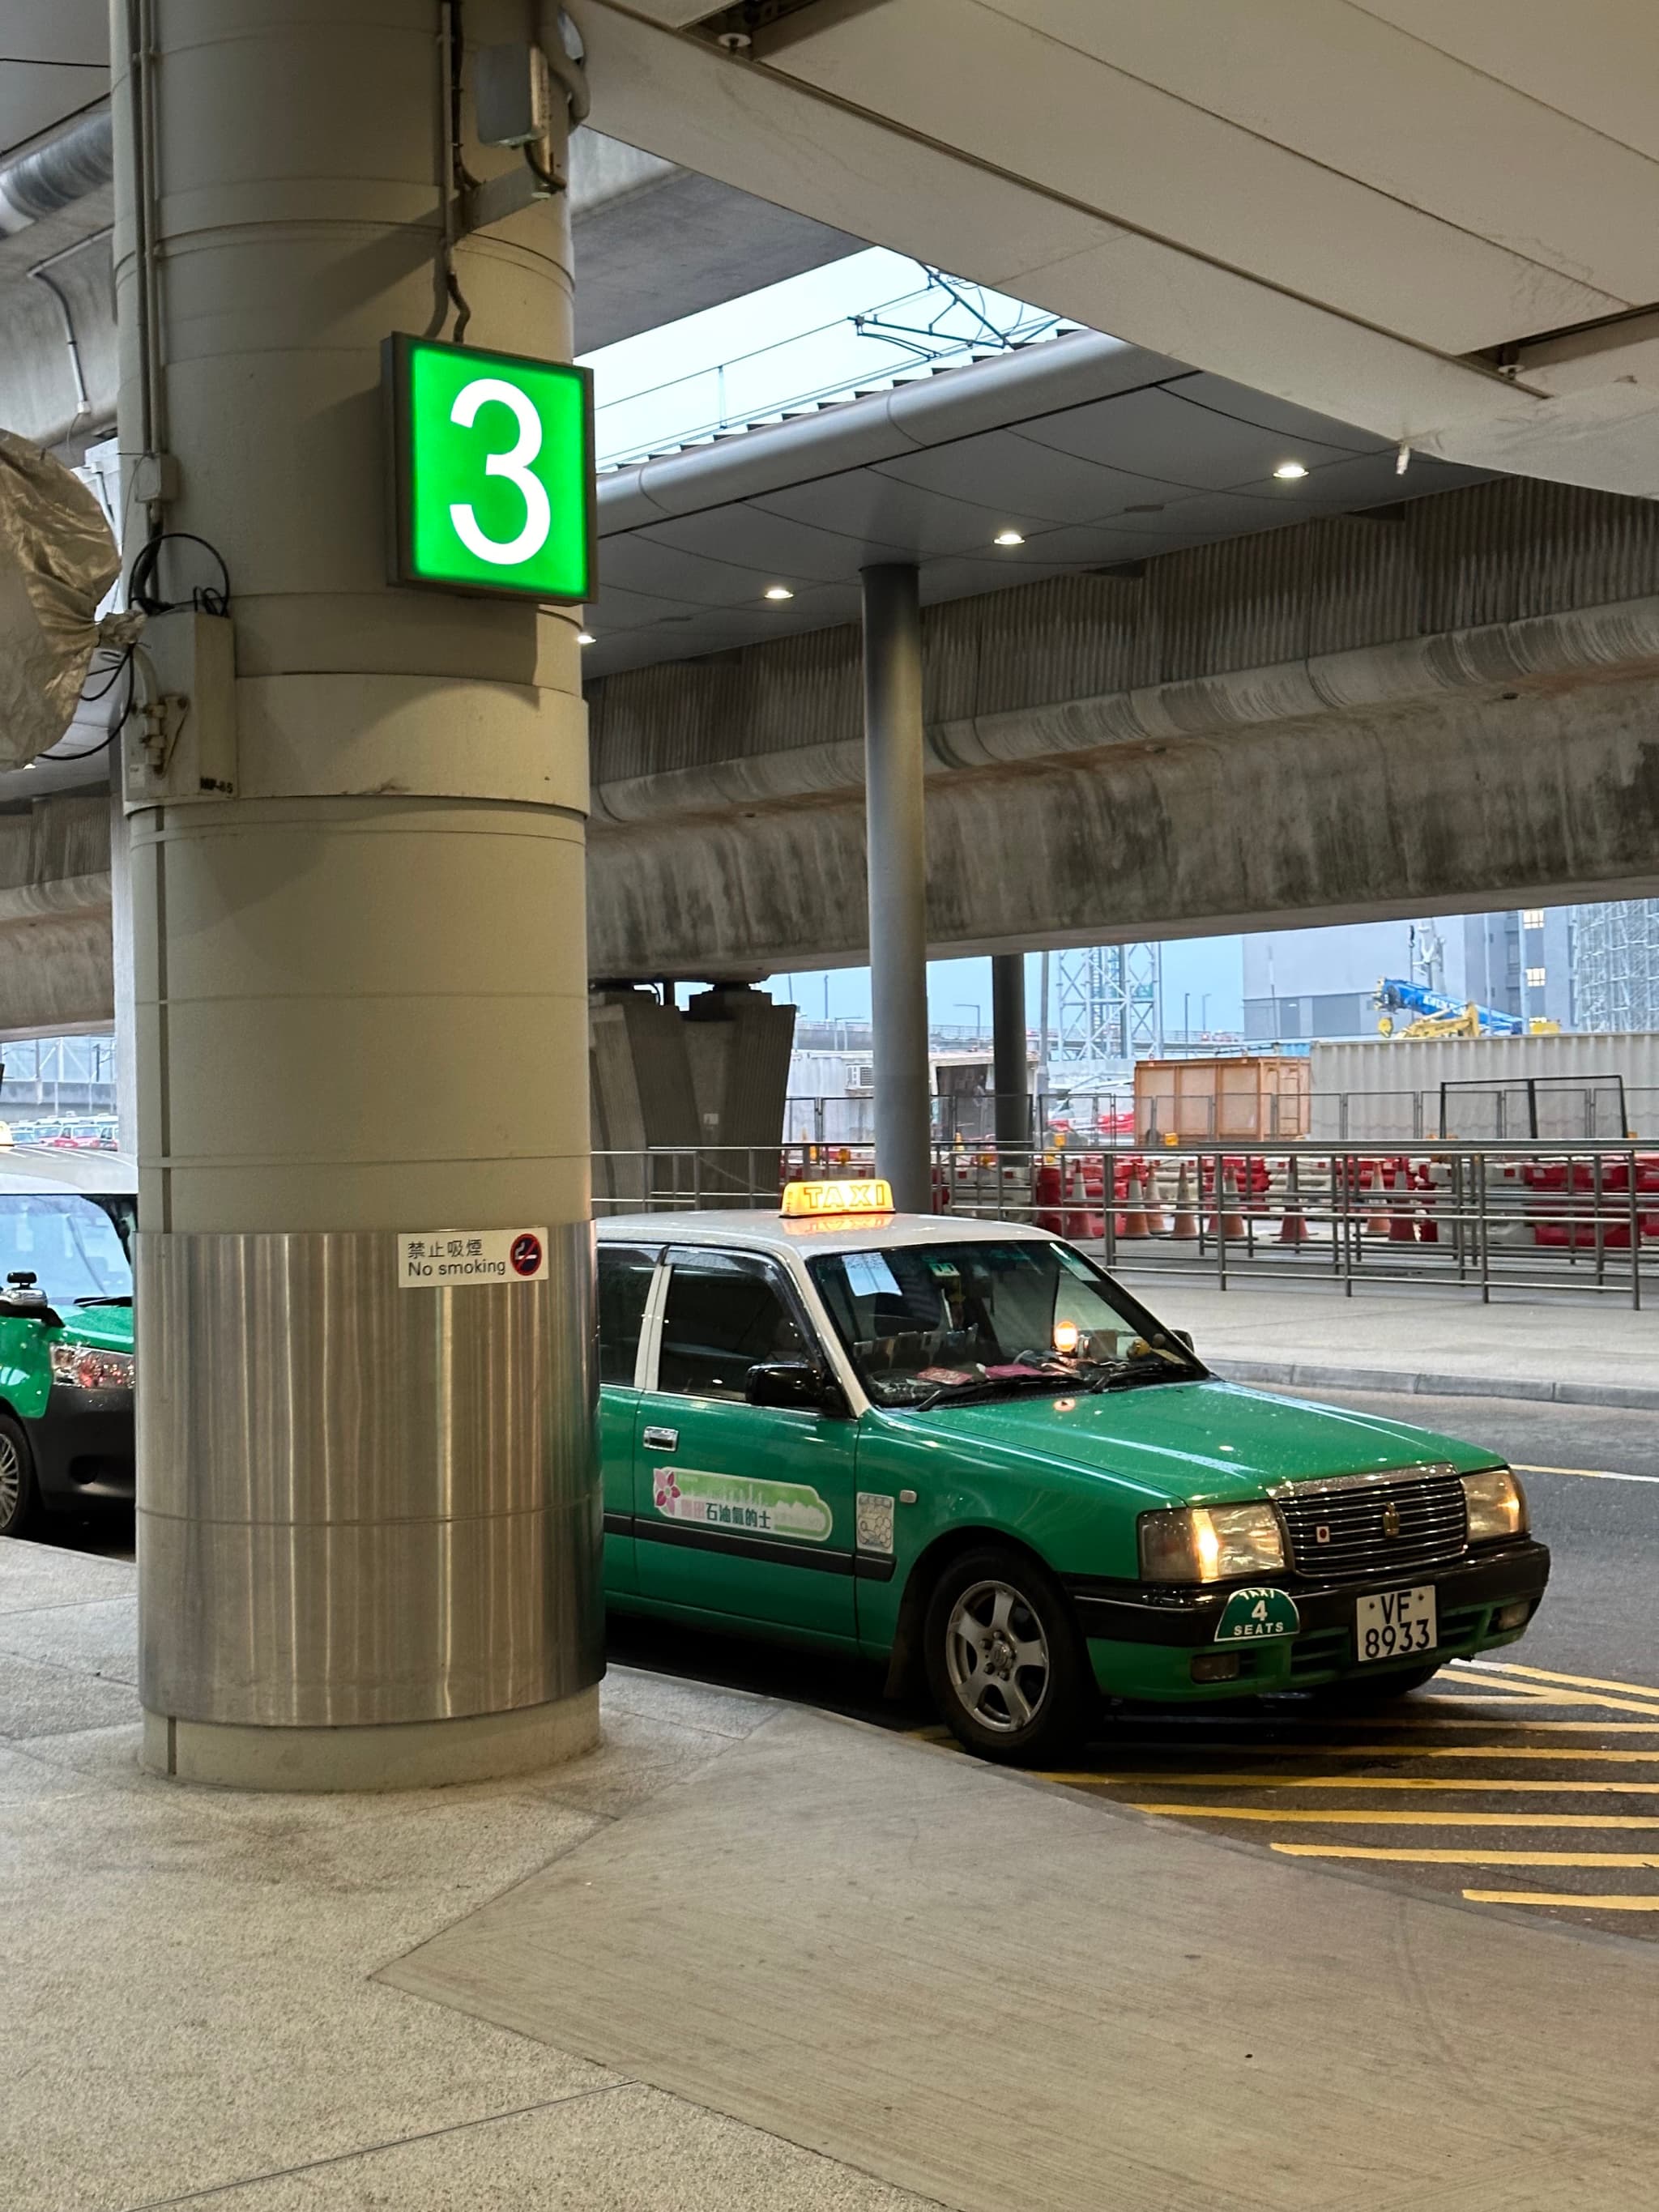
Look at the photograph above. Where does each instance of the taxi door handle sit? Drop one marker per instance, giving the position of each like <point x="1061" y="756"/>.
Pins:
<point x="665" y="1440"/>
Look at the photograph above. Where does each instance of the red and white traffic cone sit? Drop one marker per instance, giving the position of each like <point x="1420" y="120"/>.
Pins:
<point x="1156" y="1223"/>
<point x="1228" y="1221"/>
<point x="1134" y="1217"/>
<point x="1402" y="1225"/>
<point x="1186" y="1209"/>
<point x="1293" y="1228"/>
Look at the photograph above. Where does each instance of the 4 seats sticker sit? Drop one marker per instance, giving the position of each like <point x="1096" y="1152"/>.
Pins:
<point x="740" y="1502"/>
<point x="1250" y="1615"/>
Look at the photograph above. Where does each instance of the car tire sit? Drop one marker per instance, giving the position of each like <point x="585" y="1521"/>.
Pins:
<point x="1367" y="1689"/>
<point x="20" y="1499"/>
<point x="1006" y="1663"/>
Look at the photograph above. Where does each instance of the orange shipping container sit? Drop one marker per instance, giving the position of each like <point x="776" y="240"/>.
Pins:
<point x="1211" y="1101"/>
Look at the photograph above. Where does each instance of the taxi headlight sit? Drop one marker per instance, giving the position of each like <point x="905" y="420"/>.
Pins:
<point x="84" y="1367"/>
<point x="1497" y="1504"/>
<point x="1210" y="1544"/>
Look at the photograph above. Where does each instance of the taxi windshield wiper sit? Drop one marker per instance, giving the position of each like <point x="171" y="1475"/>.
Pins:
<point x="994" y="1386"/>
<point x="1127" y="1374"/>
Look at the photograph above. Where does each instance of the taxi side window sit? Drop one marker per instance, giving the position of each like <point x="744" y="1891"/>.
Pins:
<point x="625" y="1273"/>
<point x="724" y="1313"/>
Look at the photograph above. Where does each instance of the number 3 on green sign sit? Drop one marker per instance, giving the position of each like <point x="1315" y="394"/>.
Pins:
<point x="492" y="477"/>
<point x="513" y="466"/>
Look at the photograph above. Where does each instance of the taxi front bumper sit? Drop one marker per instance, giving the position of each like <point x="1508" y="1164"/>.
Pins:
<point x="1143" y="1643"/>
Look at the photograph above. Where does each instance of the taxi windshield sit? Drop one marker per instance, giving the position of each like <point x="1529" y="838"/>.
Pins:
<point x="69" y="1243"/>
<point x="941" y="1323"/>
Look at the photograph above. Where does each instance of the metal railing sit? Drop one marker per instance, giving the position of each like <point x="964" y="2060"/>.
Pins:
<point x="1576" y="1114"/>
<point x="1475" y="1220"/>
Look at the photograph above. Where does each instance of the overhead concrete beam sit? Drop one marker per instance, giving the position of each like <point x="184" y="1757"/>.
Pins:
<point x="1547" y="796"/>
<point x="1322" y="723"/>
<point x="652" y="242"/>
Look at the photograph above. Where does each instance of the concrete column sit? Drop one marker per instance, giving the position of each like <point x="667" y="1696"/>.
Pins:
<point x="1010" y="1069"/>
<point x="368" y="1521"/>
<point x="898" y="882"/>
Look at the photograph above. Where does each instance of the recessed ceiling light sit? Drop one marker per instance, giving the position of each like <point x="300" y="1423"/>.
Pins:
<point x="584" y="637"/>
<point x="1288" y="471"/>
<point x="1009" y="537"/>
<point x="778" y="592"/>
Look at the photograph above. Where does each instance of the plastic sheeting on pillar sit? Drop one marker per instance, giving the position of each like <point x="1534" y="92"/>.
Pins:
<point x="58" y="559"/>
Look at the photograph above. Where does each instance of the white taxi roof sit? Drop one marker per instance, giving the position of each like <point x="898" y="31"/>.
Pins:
<point x="764" y="1231"/>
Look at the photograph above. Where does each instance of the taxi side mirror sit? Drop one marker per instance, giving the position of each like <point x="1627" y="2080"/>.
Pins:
<point x="1182" y="1336"/>
<point x="801" y="1384"/>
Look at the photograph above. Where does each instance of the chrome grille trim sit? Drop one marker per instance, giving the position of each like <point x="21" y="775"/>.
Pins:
<point x="1427" y="1503"/>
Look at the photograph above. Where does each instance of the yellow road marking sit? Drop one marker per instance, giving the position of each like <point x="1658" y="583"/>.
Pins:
<point x="1472" y="1784"/>
<point x="1390" y="1751"/>
<point x="1592" y="1474"/>
<point x="1469" y="1858"/>
<point x="1335" y="1720"/>
<point x="1538" y="1695"/>
<point x="1562" y="1897"/>
<point x="1577" y="1681"/>
<point x="1352" y="1818"/>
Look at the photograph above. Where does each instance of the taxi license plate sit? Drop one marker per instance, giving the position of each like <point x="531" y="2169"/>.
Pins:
<point x="1394" y="1624"/>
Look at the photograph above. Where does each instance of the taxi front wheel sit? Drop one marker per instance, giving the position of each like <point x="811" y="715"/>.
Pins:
<point x="17" y="1491"/>
<point x="1008" y="1669"/>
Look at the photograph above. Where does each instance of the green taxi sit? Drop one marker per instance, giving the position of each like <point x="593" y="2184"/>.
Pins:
<point x="66" y="1425"/>
<point x="959" y="1446"/>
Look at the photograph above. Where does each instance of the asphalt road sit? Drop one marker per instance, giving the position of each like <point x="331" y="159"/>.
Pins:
<point x="1526" y="1783"/>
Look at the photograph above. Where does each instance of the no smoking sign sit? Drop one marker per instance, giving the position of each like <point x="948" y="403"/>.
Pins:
<point x="453" y="1258"/>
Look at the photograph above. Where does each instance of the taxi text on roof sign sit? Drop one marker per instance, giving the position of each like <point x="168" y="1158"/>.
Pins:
<point x="492" y="471"/>
<point x="871" y="1196"/>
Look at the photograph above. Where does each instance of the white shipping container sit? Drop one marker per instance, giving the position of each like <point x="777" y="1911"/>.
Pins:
<point x="1390" y="1087"/>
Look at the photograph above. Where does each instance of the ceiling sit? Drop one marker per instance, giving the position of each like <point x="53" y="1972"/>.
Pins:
<point x="1392" y="211"/>
<point x="1096" y="452"/>
<point x="54" y="61"/>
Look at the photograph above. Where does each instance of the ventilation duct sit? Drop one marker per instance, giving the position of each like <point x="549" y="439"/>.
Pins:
<point x="65" y="169"/>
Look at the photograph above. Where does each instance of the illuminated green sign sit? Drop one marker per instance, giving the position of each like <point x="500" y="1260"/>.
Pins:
<point x="492" y="469"/>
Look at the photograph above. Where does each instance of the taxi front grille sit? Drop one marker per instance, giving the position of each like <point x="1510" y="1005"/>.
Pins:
<point x="1383" y="1525"/>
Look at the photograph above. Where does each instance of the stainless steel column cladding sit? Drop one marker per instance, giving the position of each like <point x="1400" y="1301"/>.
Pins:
<point x="320" y="1553"/>
<point x="898" y="863"/>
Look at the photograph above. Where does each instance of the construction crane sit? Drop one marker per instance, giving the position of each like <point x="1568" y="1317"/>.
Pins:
<point x="1434" y="1015"/>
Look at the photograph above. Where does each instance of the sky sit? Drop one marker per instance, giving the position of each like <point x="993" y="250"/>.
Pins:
<point x="959" y="991"/>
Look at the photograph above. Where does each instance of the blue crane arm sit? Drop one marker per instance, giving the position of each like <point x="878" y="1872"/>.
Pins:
<point x="1395" y="995"/>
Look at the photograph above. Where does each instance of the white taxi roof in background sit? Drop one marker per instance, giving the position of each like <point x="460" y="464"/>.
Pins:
<point x="759" y="1230"/>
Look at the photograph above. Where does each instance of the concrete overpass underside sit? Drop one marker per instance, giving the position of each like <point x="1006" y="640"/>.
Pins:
<point x="1448" y="704"/>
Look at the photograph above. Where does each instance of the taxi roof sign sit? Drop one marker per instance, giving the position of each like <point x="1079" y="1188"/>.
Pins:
<point x="871" y="1195"/>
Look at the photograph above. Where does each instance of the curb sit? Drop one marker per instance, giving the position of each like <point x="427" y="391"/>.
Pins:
<point x="1635" y="1397"/>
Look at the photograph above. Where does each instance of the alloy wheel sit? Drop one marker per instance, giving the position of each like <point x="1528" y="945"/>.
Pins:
<point x="11" y="1480"/>
<point x="996" y="1655"/>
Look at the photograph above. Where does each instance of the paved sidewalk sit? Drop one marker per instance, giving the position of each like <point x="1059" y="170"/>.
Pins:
<point x="1583" y="1353"/>
<point x="747" y="1956"/>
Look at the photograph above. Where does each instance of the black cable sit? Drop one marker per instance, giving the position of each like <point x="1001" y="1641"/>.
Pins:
<point x="91" y="698"/>
<point x="125" y="665"/>
<point x="204" y="598"/>
<point x="89" y="752"/>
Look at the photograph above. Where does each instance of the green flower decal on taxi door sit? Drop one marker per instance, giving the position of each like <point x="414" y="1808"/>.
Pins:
<point x="741" y="1503"/>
